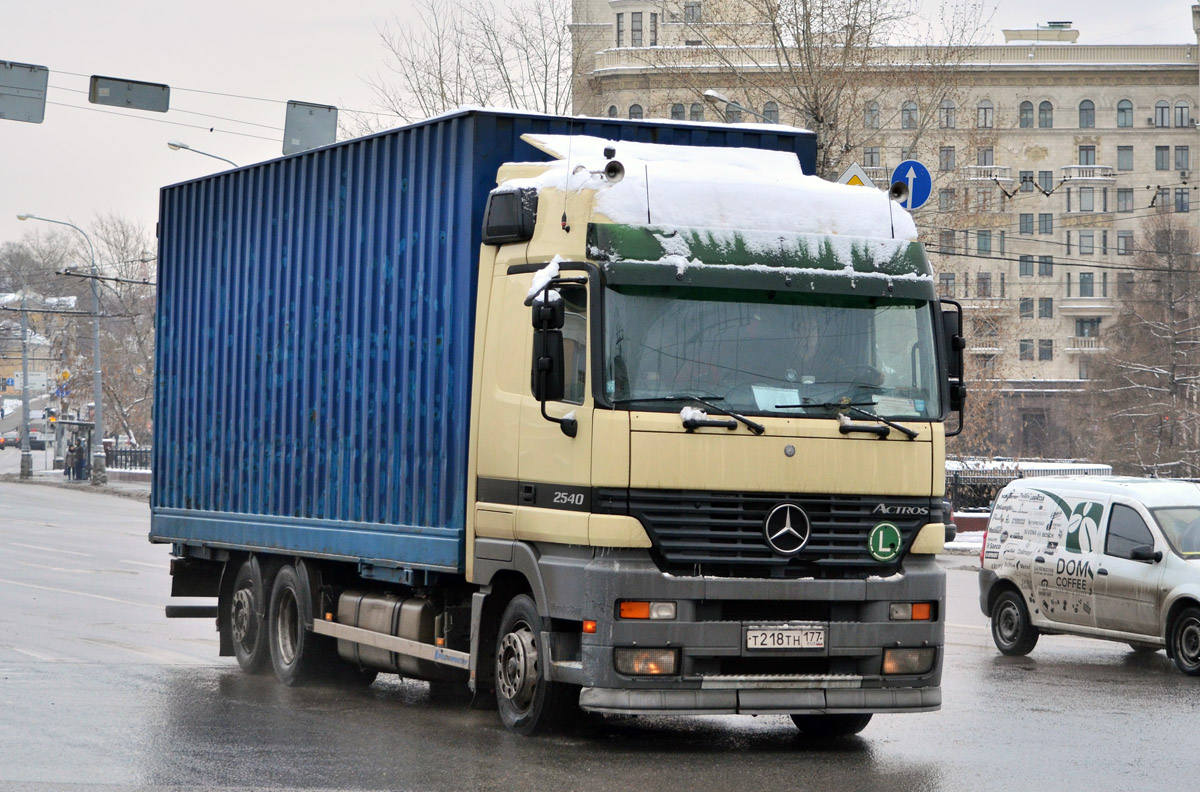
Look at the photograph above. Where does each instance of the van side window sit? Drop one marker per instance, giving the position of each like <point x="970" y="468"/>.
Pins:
<point x="1126" y="530"/>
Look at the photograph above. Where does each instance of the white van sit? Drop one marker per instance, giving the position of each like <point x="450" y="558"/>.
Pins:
<point x="1113" y="558"/>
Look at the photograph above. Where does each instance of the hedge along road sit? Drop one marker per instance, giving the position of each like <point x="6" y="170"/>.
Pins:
<point x="100" y="691"/>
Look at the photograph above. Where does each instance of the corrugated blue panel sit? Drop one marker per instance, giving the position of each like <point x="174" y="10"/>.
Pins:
<point x="315" y="335"/>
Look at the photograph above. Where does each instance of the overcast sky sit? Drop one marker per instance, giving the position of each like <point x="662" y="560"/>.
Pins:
<point x="86" y="160"/>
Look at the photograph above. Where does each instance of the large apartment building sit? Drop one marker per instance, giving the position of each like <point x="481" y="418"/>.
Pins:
<point x="1049" y="157"/>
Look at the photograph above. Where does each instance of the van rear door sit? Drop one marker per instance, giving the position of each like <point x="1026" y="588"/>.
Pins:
<point x="1065" y="573"/>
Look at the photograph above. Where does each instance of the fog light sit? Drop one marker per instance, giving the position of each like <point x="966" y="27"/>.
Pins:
<point x="634" y="609"/>
<point x="908" y="661"/>
<point x="911" y="611"/>
<point x="646" y="662"/>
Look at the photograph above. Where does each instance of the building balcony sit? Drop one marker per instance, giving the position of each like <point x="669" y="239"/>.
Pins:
<point x="880" y="176"/>
<point x="1088" y="306"/>
<point x="1099" y="174"/>
<point x="988" y="173"/>
<point x="1083" y="345"/>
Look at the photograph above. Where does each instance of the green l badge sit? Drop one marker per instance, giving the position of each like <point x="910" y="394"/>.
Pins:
<point x="884" y="542"/>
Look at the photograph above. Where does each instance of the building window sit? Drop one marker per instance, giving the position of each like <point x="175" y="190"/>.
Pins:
<point x="1162" y="199"/>
<point x="654" y="30"/>
<point x="1087" y="243"/>
<point x="983" y="243"/>
<point x="771" y="112"/>
<point x="1162" y="158"/>
<point x="1045" y="307"/>
<point x="1046" y="180"/>
<point x="946" y="158"/>
<point x="612" y="111"/>
<point x="1046" y="266"/>
<point x="1183" y="115"/>
<point x="871" y="115"/>
<point x="1045" y="223"/>
<point x="1162" y="114"/>
<point x="946" y="114"/>
<point x="1124" y="114"/>
<point x="1125" y="158"/>
<point x="946" y="284"/>
<point x="1124" y="284"/>
<point x="946" y="241"/>
<point x="1025" y="307"/>
<point x="1181" y="199"/>
<point x="1182" y="158"/>
<point x="635" y="111"/>
<point x="946" y="201"/>
<point x="983" y="114"/>
<point x="696" y="112"/>
<point x="1045" y="349"/>
<point x="1087" y="155"/>
<point x="1026" y="267"/>
<point x="1025" y="115"/>
<point x="871" y="156"/>
<point x="985" y="157"/>
<point x="1087" y="199"/>
<point x="1026" y="180"/>
<point x="983" y="284"/>
<point x="907" y="153"/>
<point x="1087" y="114"/>
<point x="1026" y="223"/>
<point x="1087" y="284"/>
<point x="1124" y="199"/>
<point x="635" y="28"/>
<point x="1124" y="242"/>
<point x="908" y="115"/>
<point x="1045" y="116"/>
<point x="691" y="12"/>
<point x="1087" y="328"/>
<point x="983" y="200"/>
<point x="733" y="114"/>
<point x="1025" y="349"/>
<point x="677" y="112"/>
<point x="620" y="30"/>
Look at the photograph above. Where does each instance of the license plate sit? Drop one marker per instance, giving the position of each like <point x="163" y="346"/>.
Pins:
<point x="785" y="636"/>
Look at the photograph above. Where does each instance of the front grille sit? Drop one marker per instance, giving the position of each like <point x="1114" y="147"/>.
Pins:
<point x="721" y="533"/>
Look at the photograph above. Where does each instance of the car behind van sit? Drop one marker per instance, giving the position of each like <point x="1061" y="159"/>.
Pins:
<point x="1104" y="557"/>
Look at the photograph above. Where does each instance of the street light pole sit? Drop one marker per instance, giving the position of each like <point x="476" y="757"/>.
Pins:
<point x="26" y="449"/>
<point x="99" y="474"/>
<point x="177" y="145"/>
<point x="712" y="97"/>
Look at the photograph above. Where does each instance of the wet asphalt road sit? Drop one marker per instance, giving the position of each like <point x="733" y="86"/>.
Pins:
<point x="99" y="691"/>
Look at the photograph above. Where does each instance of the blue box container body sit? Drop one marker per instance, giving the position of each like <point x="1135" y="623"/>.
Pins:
<point x="316" y="330"/>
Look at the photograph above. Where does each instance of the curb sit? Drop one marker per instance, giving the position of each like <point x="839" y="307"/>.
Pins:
<point x="44" y="481"/>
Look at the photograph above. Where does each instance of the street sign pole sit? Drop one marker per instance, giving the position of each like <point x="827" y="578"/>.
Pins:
<point x="26" y="451"/>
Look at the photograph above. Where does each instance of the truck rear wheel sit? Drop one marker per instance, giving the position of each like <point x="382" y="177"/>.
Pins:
<point x="840" y="725"/>
<point x="295" y="656"/>
<point x="1012" y="631"/>
<point x="1185" y="641"/>
<point x="248" y="629"/>
<point x="528" y="702"/>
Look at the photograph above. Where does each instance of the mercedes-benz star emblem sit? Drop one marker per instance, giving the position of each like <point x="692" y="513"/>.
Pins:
<point x="786" y="529"/>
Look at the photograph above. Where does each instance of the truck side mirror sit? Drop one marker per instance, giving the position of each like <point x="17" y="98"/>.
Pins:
<point x="954" y="346"/>
<point x="548" y="377"/>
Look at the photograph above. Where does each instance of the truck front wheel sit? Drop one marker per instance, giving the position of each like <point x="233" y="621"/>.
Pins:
<point x="528" y="702"/>
<point x="840" y="725"/>
<point x="247" y="627"/>
<point x="1012" y="631"/>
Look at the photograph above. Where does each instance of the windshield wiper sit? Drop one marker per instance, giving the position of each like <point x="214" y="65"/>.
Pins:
<point x="857" y="407"/>
<point x="754" y="426"/>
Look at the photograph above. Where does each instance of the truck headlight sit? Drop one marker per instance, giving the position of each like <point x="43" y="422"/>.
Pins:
<point x="908" y="661"/>
<point x="635" y="609"/>
<point x="633" y="661"/>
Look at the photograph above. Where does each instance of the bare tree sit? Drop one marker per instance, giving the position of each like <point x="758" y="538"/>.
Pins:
<point x="473" y="54"/>
<point x="1147" y="385"/>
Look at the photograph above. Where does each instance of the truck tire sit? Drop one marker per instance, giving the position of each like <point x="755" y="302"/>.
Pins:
<point x="840" y="725"/>
<point x="247" y="628"/>
<point x="1012" y="631"/>
<point x="528" y="702"/>
<point x="296" y="656"/>
<point x="1185" y="641"/>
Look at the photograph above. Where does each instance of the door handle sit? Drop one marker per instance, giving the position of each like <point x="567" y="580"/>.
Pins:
<point x="528" y="493"/>
<point x="1101" y="571"/>
<point x="1040" y="559"/>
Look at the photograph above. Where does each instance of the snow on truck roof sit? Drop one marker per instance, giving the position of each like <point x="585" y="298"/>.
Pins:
<point x="719" y="188"/>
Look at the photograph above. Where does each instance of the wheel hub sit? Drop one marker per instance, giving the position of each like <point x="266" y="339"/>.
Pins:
<point x="517" y="667"/>
<point x="242" y="615"/>
<point x="1189" y="642"/>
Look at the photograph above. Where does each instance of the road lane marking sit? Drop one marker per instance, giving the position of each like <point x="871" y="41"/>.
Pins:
<point x="161" y="655"/>
<point x="76" y="571"/>
<point x="142" y="563"/>
<point x="50" y="549"/>
<point x="38" y="656"/>
<point x="79" y="593"/>
<point x="968" y="626"/>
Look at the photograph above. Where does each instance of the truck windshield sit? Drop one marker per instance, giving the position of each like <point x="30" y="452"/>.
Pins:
<point x="1181" y="526"/>
<point x="767" y="353"/>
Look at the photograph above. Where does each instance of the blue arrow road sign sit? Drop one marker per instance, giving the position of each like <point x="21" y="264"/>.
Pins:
<point x="916" y="177"/>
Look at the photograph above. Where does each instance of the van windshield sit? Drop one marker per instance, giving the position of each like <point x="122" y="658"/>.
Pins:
<point x="1181" y="526"/>
<point x="769" y="353"/>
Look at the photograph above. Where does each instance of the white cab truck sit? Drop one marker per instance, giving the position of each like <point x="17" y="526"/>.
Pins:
<point x="1104" y="557"/>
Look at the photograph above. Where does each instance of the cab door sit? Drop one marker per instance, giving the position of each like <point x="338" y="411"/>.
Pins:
<point x="1127" y="589"/>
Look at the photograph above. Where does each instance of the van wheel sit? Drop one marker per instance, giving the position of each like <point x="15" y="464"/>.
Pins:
<point x="1012" y="631"/>
<point x="527" y="701"/>
<point x="840" y="725"/>
<point x="1185" y="641"/>
<point x="247" y="627"/>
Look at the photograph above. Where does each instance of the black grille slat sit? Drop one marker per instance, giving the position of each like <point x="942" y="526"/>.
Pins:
<point x="721" y="534"/>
